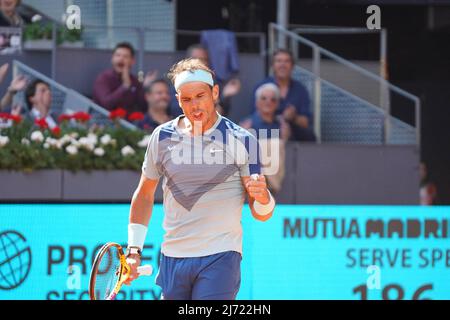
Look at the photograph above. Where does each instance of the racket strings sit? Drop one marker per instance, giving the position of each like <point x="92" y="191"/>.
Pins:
<point x="108" y="274"/>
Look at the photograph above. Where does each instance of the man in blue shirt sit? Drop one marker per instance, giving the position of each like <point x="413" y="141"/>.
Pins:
<point x="272" y="132"/>
<point x="294" y="103"/>
<point x="265" y="118"/>
<point x="158" y="97"/>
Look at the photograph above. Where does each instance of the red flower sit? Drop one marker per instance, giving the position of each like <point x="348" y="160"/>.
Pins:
<point x="81" y="116"/>
<point x="16" y="118"/>
<point x="136" y="116"/>
<point x="56" y="131"/>
<point x="118" y="113"/>
<point x="4" y="115"/>
<point x="8" y="116"/>
<point x="41" y="123"/>
<point x="64" y="117"/>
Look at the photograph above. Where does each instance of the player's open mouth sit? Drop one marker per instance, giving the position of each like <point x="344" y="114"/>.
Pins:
<point x="197" y="115"/>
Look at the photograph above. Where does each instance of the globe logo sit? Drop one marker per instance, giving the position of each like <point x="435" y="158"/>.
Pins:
<point x="15" y="259"/>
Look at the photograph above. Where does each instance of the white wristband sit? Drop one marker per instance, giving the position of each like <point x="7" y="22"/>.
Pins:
<point x="136" y="235"/>
<point x="264" y="209"/>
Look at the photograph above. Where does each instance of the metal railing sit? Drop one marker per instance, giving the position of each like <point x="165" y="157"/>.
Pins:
<point x="325" y="30"/>
<point x="385" y="88"/>
<point x="65" y="99"/>
<point x="347" y="118"/>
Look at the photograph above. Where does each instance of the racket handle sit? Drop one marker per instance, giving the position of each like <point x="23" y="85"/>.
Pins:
<point x="254" y="177"/>
<point x="145" y="270"/>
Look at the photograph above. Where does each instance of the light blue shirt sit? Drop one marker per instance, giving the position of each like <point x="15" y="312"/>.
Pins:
<point x="203" y="192"/>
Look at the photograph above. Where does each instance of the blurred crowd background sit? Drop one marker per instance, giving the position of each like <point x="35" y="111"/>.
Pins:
<point x="310" y="69"/>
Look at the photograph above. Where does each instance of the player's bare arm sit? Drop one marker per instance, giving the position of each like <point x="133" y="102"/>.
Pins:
<point x="140" y="214"/>
<point x="257" y="191"/>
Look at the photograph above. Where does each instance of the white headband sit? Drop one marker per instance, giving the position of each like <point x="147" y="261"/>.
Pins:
<point x="193" y="76"/>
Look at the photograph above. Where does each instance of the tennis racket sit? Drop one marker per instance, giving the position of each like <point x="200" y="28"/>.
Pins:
<point x="109" y="271"/>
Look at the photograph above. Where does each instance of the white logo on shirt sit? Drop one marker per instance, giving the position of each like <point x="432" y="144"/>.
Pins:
<point x="170" y="148"/>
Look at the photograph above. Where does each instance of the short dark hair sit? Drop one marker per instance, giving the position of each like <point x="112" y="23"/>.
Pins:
<point x="285" y="51"/>
<point x="150" y="86"/>
<point x="125" y="45"/>
<point x="30" y="91"/>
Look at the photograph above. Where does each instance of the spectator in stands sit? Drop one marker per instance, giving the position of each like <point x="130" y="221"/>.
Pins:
<point x="197" y="51"/>
<point x="428" y="190"/>
<point x="265" y="117"/>
<point x="8" y="14"/>
<point x="227" y="89"/>
<point x="158" y="97"/>
<point x="38" y="98"/>
<point x="17" y="84"/>
<point x="3" y="71"/>
<point x="294" y="102"/>
<point x="263" y="121"/>
<point x="117" y="87"/>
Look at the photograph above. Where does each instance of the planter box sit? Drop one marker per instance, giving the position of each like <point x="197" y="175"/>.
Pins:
<point x="76" y="44"/>
<point x="59" y="185"/>
<point x="117" y="185"/>
<point x="38" y="185"/>
<point x="42" y="44"/>
<point x="99" y="185"/>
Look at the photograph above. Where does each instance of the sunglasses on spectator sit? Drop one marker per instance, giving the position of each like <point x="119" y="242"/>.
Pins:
<point x="272" y="99"/>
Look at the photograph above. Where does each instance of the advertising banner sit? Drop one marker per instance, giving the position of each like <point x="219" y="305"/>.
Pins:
<point x="302" y="252"/>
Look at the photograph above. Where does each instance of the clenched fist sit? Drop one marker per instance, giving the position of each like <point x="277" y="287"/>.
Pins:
<point x="257" y="188"/>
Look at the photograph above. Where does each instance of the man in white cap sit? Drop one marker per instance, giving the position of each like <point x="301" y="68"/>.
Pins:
<point x="209" y="165"/>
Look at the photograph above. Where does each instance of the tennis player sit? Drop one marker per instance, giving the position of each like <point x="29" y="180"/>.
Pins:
<point x="208" y="165"/>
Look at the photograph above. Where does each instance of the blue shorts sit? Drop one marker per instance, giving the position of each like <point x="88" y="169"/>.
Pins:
<point x="214" y="277"/>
